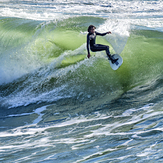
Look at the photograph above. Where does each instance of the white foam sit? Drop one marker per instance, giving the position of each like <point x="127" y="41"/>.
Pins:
<point x="19" y="115"/>
<point x="38" y="111"/>
<point x="147" y="108"/>
<point x="140" y="12"/>
<point x="120" y="33"/>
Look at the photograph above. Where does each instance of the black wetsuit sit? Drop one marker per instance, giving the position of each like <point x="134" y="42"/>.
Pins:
<point x="91" y="39"/>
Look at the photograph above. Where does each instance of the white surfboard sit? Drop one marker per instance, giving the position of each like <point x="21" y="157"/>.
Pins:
<point x="118" y="63"/>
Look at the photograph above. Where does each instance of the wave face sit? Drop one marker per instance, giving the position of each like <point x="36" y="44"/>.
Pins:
<point x="67" y="108"/>
<point x="48" y="61"/>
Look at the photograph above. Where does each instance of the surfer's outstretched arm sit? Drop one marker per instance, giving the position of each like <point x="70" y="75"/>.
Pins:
<point x="102" y="34"/>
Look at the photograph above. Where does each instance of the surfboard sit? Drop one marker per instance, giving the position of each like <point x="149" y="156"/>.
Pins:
<point x="118" y="63"/>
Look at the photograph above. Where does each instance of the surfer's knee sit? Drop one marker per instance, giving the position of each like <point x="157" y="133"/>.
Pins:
<point x="107" y="50"/>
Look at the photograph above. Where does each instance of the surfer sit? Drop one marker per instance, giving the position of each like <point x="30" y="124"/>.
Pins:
<point x="91" y="38"/>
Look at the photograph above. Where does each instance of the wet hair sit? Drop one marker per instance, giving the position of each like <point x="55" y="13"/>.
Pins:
<point x="90" y="27"/>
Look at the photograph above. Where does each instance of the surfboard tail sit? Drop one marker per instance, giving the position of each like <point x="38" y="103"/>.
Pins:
<point x="118" y="61"/>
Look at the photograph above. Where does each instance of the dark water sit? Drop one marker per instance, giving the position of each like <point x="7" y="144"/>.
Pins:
<point x="58" y="106"/>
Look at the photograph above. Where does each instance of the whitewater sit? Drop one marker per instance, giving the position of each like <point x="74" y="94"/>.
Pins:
<point x="56" y="105"/>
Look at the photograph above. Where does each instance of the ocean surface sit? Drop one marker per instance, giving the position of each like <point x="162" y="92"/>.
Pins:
<point x="56" y="105"/>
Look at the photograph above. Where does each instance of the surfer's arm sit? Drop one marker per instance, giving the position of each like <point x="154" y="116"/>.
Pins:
<point x="102" y="34"/>
<point x="88" y="45"/>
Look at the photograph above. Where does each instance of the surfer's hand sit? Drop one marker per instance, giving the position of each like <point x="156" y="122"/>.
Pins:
<point x="109" y="32"/>
<point x="88" y="55"/>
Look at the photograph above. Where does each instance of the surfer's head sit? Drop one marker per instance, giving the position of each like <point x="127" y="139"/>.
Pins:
<point x="91" y="29"/>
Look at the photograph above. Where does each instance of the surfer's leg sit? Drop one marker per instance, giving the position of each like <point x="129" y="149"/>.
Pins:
<point x="99" y="47"/>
